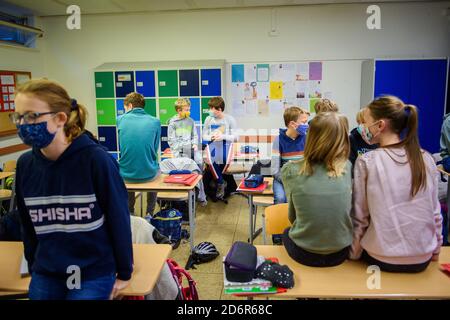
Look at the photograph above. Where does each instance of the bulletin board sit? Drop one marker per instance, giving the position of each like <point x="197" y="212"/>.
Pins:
<point x="8" y="83"/>
<point x="258" y="92"/>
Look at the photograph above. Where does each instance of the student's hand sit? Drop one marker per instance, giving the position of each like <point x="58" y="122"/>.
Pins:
<point x="118" y="286"/>
<point x="218" y="136"/>
<point x="435" y="257"/>
<point x="195" y="147"/>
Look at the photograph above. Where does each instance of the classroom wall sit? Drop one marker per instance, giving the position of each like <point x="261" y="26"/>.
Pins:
<point x="21" y="59"/>
<point x="328" y="32"/>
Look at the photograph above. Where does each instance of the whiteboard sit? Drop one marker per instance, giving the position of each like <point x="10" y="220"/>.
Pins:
<point x="341" y="82"/>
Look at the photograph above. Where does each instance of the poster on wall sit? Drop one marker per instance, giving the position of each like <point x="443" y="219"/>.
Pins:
<point x="268" y="88"/>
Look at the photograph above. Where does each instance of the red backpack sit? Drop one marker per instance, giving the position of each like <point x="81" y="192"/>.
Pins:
<point x="185" y="293"/>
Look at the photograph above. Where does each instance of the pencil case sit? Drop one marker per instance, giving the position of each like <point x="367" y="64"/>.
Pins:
<point x="240" y="262"/>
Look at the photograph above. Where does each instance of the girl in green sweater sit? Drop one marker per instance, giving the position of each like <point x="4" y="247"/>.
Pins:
<point x="319" y="193"/>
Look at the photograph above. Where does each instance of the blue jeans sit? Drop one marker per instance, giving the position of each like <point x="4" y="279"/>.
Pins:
<point x="278" y="192"/>
<point x="43" y="287"/>
<point x="446" y="164"/>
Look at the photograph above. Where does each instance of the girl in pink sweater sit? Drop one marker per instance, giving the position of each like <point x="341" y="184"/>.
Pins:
<point x="396" y="212"/>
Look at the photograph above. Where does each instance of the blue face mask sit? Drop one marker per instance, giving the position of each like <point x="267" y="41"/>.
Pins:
<point x="36" y="134"/>
<point x="302" y="129"/>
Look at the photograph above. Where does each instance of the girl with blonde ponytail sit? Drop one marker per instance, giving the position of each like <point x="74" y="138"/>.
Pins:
<point x="396" y="212"/>
<point x="71" y="199"/>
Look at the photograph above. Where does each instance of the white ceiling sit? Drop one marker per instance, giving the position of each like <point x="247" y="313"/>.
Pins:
<point x="58" y="7"/>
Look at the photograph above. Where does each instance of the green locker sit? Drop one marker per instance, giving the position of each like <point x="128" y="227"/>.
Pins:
<point x="104" y="85"/>
<point x="166" y="110"/>
<point x="150" y="107"/>
<point x="168" y="83"/>
<point x="106" y="112"/>
<point x="205" y="109"/>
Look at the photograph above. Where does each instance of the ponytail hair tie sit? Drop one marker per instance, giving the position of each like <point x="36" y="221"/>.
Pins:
<point x="407" y="109"/>
<point x="74" y="104"/>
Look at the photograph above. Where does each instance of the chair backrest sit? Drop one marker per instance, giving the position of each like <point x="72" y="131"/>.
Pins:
<point x="10" y="166"/>
<point x="276" y="218"/>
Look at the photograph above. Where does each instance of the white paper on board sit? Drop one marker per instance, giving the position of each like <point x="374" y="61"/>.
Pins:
<point x="6" y="106"/>
<point x="5" y="97"/>
<point x="302" y="89"/>
<point x="302" y="71"/>
<point x="101" y="112"/>
<point x="11" y="89"/>
<point x="183" y="83"/>
<point x="99" y="85"/>
<point x="119" y="85"/>
<point x="250" y="73"/>
<point x="288" y="72"/>
<point x="276" y="107"/>
<point x="102" y="139"/>
<point x="12" y="106"/>
<point x="162" y="83"/>
<point x="7" y="80"/>
<point x="263" y="74"/>
<point x="5" y="89"/>
<point x="237" y="90"/>
<point x="315" y="90"/>
<point x="139" y="84"/>
<point x="163" y="111"/>
<point x="205" y="82"/>
<point x="275" y="72"/>
<point x="263" y="90"/>
<point x="289" y="89"/>
<point x="11" y="97"/>
<point x="303" y="103"/>
<point x="251" y="107"/>
<point x="238" y="108"/>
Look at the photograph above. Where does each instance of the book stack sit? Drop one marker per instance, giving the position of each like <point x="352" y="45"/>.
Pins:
<point x="254" y="287"/>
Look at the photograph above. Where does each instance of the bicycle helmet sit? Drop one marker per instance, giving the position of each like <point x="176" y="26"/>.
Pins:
<point x="203" y="252"/>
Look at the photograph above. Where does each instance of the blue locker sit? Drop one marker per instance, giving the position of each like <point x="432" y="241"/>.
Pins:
<point x="189" y="83"/>
<point x="145" y="83"/>
<point x="124" y="83"/>
<point x="211" y="82"/>
<point x="421" y="83"/>
<point x="195" y="109"/>
<point x="428" y="79"/>
<point x="394" y="78"/>
<point x="164" y="143"/>
<point x="107" y="136"/>
<point x="120" y="110"/>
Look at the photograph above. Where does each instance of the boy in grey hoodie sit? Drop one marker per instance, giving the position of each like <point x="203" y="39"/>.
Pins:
<point x="182" y="136"/>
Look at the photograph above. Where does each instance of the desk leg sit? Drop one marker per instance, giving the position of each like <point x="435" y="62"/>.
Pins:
<point x="250" y="204"/>
<point x="191" y="206"/>
<point x="12" y="203"/>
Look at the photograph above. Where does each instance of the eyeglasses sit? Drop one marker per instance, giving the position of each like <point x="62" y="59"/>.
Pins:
<point x="28" y="117"/>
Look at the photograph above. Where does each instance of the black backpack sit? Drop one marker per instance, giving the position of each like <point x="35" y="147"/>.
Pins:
<point x="210" y="185"/>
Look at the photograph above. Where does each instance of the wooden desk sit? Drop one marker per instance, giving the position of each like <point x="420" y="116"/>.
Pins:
<point x="252" y="208"/>
<point x="349" y="280"/>
<point x="4" y="175"/>
<point x="148" y="262"/>
<point x="158" y="185"/>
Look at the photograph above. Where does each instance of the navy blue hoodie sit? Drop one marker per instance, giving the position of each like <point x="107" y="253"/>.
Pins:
<point x="358" y="146"/>
<point x="74" y="212"/>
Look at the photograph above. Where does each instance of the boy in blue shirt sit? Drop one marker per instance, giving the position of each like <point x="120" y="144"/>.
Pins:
<point x="288" y="146"/>
<point x="139" y="138"/>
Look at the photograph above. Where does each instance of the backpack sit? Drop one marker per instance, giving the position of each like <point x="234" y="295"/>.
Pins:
<point x="168" y="223"/>
<point x="210" y="185"/>
<point x="185" y="293"/>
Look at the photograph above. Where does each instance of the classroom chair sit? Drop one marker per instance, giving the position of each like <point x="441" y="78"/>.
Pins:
<point x="262" y="201"/>
<point x="275" y="219"/>
<point x="10" y="166"/>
